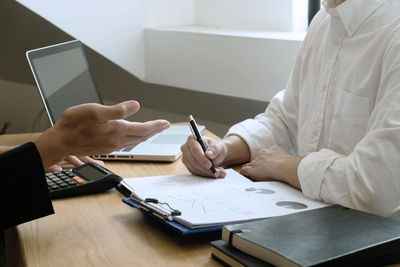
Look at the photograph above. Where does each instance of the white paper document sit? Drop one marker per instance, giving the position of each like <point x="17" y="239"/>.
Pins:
<point x="208" y="201"/>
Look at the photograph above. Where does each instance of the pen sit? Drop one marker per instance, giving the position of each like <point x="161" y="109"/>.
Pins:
<point x="196" y="134"/>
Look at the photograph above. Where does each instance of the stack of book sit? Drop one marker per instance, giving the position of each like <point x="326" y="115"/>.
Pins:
<point x="331" y="235"/>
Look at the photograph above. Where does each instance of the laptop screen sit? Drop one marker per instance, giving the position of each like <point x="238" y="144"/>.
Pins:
<point x="63" y="76"/>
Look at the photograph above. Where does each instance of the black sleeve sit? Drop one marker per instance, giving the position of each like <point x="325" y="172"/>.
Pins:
<point x="23" y="189"/>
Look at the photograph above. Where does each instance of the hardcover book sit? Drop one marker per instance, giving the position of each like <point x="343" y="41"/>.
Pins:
<point x="331" y="235"/>
<point x="230" y="256"/>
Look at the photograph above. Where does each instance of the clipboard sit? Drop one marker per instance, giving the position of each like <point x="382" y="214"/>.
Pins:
<point x="193" y="204"/>
<point x="170" y="223"/>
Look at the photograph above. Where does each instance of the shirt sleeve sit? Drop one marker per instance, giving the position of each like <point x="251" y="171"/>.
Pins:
<point x="23" y="189"/>
<point x="273" y="127"/>
<point x="368" y="178"/>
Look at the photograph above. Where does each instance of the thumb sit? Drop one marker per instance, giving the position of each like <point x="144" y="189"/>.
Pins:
<point x="216" y="152"/>
<point x="120" y="111"/>
<point x="100" y="113"/>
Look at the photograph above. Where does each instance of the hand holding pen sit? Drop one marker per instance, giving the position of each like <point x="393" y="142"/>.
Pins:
<point x="197" y="136"/>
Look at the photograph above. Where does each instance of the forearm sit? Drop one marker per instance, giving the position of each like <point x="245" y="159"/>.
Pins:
<point x="363" y="181"/>
<point x="288" y="169"/>
<point x="237" y="151"/>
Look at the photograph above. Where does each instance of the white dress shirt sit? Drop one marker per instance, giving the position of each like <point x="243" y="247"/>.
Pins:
<point x="341" y="108"/>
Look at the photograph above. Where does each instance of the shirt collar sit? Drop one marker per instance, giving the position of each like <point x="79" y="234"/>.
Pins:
<point x="352" y="12"/>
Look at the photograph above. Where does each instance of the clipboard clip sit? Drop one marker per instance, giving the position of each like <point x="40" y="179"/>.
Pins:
<point x="158" y="212"/>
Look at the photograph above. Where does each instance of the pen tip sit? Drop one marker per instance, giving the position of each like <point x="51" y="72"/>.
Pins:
<point x="190" y="117"/>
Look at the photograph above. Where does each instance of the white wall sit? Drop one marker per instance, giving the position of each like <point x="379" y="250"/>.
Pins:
<point x="114" y="28"/>
<point x="220" y="61"/>
<point x="256" y="15"/>
<point x="226" y="63"/>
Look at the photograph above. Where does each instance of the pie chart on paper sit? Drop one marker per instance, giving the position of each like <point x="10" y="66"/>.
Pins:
<point x="291" y="205"/>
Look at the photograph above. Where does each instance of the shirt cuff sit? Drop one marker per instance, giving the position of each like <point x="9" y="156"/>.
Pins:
<point x="240" y="131"/>
<point x="251" y="138"/>
<point x="312" y="169"/>
<point x="24" y="195"/>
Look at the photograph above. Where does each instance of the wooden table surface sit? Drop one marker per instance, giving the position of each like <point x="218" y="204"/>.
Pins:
<point x="99" y="230"/>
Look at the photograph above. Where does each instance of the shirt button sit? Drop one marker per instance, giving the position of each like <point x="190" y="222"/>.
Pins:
<point x="324" y="88"/>
<point x="315" y="132"/>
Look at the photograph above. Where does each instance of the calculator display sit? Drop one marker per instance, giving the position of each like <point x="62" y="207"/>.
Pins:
<point x="90" y="173"/>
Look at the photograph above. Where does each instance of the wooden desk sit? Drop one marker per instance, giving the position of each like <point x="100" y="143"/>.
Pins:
<point x="99" y="230"/>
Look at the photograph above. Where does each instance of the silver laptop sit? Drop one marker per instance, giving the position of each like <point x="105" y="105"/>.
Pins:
<point x="64" y="79"/>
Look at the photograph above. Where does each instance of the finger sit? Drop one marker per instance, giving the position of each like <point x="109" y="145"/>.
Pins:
<point x="121" y="110"/>
<point x="118" y="134"/>
<point x="213" y="149"/>
<point x="197" y="155"/>
<point x="192" y="162"/>
<point x="210" y="153"/>
<point x="54" y="168"/>
<point x="195" y="169"/>
<point x="248" y="168"/>
<point x="216" y="152"/>
<point x="101" y="113"/>
<point x="127" y="141"/>
<point x="244" y="170"/>
<point x="145" y="129"/>
<point x="247" y="171"/>
<point x="195" y="163"/>
<point x="74" y="160"/>
<point x="87" y="159"/>
<point x="190" y="166"/>
<point x="220" y="172"/>
<point x="246" y="165"/>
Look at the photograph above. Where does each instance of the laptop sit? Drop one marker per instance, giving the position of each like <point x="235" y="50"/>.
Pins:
<point x="64" y="79"/>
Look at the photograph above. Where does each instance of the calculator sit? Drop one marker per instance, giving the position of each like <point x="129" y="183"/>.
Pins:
<point x="88" y="178"/>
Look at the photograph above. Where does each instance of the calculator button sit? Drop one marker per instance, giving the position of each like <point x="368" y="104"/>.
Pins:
<point x="63" y="184"/>
<point x="69" y="173"/>
<point x="54" y="187"/>
<point x="78" y="180"/>
<point x="72" y="182"/>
